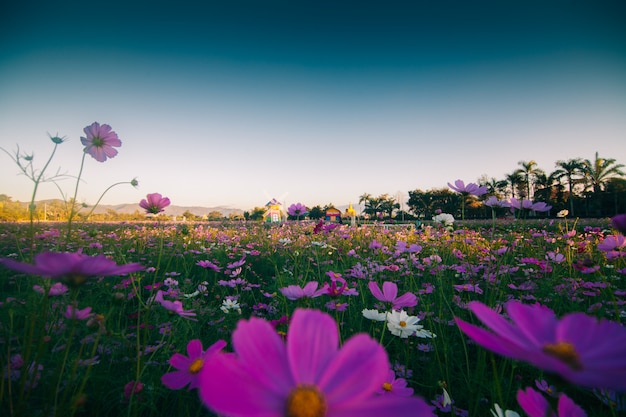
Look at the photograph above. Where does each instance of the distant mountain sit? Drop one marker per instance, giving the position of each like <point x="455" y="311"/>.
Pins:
<point x="169" y="210"/>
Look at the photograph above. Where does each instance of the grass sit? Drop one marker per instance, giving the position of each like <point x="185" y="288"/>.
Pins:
<point x="55" y="366"/>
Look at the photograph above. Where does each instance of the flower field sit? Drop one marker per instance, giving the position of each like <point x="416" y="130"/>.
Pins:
<point x="140" y="319"/>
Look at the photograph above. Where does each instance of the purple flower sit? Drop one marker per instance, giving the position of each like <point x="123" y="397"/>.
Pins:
<point x="493" y="202"/>
<point x="72" y="313"/>
<point x="619" y="223"/>
<point x="100" y="141"/>
<point x="297" y="210"/>
<point x="310" y="375"/>
<point x="580" y="348"/>
<point x="389" y="294"/>
<point x="535" y="405"/>
<point x="540" y="206"/>
<point x="209" y="265"/>
<point x="294" y="292"/>
<point x="154" y="203"/>
<point x="471" y="188"/>
<point x="612" y="243"/>
<point x="189" y="367"/>
<point x="74" y="268"/>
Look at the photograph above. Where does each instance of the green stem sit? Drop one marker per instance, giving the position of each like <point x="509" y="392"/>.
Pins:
<point x="73" y="200"/>
<point x="102" y="195"/>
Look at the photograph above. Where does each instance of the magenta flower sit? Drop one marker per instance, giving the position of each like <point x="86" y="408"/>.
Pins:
<point x="389" y="294"/>
<point x="294" y="292"/>
<point x="580" y="348"/>
<point x="469" y="189"/>
<point x="308" y="376"/>
<point x="100" y="141"/>
<point x="395" y="386"/>
<point x="174" y="306"/>
<point x="535" y="405"/>
<point x="297" y="210"/>
<point x="73" y="268"/>
<point x="335" y="290"/>
<point x="189" y="367"/>
<point x="73" y="313"/>
<point x="154" y="203"/>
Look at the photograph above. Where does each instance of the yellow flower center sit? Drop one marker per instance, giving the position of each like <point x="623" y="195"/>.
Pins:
<point x="305" y="401"/>
<point x="402" y="324"/>
<point x="196" y="366"/>
<point x="387" y="387"/>
<point x="566" y="352"/>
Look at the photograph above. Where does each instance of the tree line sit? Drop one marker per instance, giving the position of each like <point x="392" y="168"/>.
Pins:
<point x="585" y="187"/>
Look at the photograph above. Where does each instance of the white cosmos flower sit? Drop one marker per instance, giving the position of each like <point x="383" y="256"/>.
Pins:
<point x="229" y="304"/>
<point x="374" y="315"/>
<point x="401" y="324"/>
<point x="501" y="413"/>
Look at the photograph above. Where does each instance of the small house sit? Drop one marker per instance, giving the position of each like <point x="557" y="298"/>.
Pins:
<point x="333" y="215"/>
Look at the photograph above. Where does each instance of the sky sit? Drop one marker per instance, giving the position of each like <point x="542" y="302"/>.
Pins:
<point x="231" y="103"/>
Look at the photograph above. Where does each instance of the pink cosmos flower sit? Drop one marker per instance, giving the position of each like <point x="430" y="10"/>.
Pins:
<point x="154" y="203"/>
<point x="471" y="188"/>
<point x="174" y="306"/>
<point x="308" y="376"/>
<point x="73" y="313"/>
<point x="209" y="265"/>
<point x="294" y="292"/>
<point x="297" y="210"/>
<point x="55" y="289"/>
<point x="389" y="294"/>
<point x="395" y="386"/>
<point x="580" y="348"/>
<point x="74" y="268"/>
<point x="535" y="405"/>
<point x="189" y="367"/>
<point x="100" y="141"/>
<point x="335" y="290"/>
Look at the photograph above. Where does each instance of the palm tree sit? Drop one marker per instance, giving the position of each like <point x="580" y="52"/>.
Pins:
<point x="495" y="187"/>
<point x="568" y="170"/>
<point x="513" y="179"/>
<point x="529" y="173"/>
<point x="364" y="199"/>
<point x="599" y="171"/>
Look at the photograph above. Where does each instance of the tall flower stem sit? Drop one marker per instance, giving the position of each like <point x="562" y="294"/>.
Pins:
<point x="106" y="191"/>
<point x="73" y="200"/>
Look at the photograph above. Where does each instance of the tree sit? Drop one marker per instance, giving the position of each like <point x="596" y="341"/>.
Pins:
<point x="514" y="180"/>
<point x="599" y="171"/>
<point x="568" y="171"/>
<point x="494" y="187"/>
<point x="364" y="199"/>
<point x="256" y="214"/>
<point x="528" y="173"/>
<point x="424" y="203"/>
<point x="317" y="213"/>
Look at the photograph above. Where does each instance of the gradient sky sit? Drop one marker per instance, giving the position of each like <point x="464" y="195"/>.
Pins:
<point x="231" y="102"/>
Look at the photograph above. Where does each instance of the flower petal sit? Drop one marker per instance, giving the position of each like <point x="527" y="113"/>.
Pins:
<point x="312" y="343"/>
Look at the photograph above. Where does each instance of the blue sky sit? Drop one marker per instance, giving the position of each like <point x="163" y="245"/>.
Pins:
<point x="228" y="104"/>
